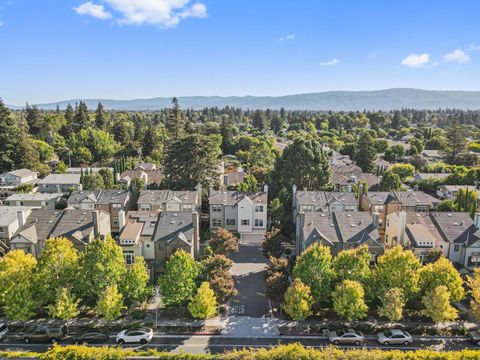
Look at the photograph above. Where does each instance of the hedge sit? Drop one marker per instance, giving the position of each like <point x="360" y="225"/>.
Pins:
<point x="282" y="352"/>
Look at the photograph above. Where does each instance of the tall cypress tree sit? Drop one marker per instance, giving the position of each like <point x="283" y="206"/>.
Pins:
<point x="365" y="152"/>
<point x="81" y="119"/>
<point x="9" y="139"/>
<point x="101" y="121"/>
<point x="174" y="122"/>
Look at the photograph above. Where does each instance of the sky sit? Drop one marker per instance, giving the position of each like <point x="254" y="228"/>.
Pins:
<point x="53" y="50"/>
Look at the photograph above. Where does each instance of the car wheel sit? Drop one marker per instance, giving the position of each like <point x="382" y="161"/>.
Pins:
<point x="406" y="343"/>
<point x="386" y="343"/>
<point x="478" y="343"/>
<point x="143" y="341"/>
<point x="336" y="342"/>
<point x="357" y="343"/>
<point x="120" y="342"/>
<point x="27" y="340"/>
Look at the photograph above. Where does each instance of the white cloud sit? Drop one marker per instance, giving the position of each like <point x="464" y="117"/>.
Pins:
<point x="473" y="47"/>
<point x="458" y="56"/>
<point x="331" y="62"/>
<point x="1" y="22"/>
<point x="416" y="60"/>
<point x="289" y="37"/>
<point x="164" y="13"/>
<point x="93" y="10"/>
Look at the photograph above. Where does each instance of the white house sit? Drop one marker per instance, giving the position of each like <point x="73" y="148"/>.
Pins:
<point x="170" y="201"/>
<point x="18" y="177"/>
<point x="242" y="212"/>
<point x="59" y="183"/>
<point x="40" y="200"/>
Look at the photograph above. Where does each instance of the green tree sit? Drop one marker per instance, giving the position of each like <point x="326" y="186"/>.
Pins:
<point x="92" y="182"/>
<point x="57" y="268"/>
<point x="16" y="267"/>
<point x="441" y="272"/>
<point x="34" y="118"/>
<point x="259" y="120"/>
<point x="298" y="301"/>
<point x="134" y="284"/>
<point x="272" y="243"/>
<point x="175" y="123"/>
<point x="178" y="282"/>
<point x="390" y="182"/>
<point x="204" y="303"/>
<point x="101" y="265"/>
<point x="437" y="305"/>
<point x="44" y="150"/>
<point x="110" y="303"/>
<point x="223" y="242"/>
<point x="81" y="119"/>
<point x="352" y="264"/>
<point x="392" y="304"/>
<point x="65" y="306"/>
<point x="397" y="268"/>
<point x="249" y="183"/>
<point x="276" y="212"/>
<point x="304" y="163"/>
<point x="394" y="153"/>
<point x="365" y="153"/>
<point x="19" y="304"/>
<point x="101" y="118"/>
<point x="404" y="171"/>
<point x="473" y="283"/>
<point x="107" y="177"/>
<point x="192" y="160"/>
<point x="348" y="300"/>
<point x="314" y="269"/>
<point x="9" y="139"/>
<point x="456" y="141"/>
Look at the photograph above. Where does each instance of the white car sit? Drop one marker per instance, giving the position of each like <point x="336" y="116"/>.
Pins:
<point x="394" y="337"/>
<point x="141" y="336"/>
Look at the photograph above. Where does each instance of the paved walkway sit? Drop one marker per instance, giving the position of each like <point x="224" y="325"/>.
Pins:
<point x="245" y="326"/>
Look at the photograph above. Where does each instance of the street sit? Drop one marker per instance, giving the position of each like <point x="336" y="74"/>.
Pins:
<point x="220" y="344"/>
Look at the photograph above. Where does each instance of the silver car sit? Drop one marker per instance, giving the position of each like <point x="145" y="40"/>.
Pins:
<point x="346" y="337"/>
<point x="394" y="337"/>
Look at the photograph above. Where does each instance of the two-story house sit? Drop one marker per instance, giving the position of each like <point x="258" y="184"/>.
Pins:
<point x="322" y="201"/>
<point x="110" y="201"/>
<point x="339" y="231"/>
<point x="241" y="212"/>
<point x="11" y="218"/>
<point x="450" y="191"/>
<point x="60" y="183"/>
<point x="78" y="226"/>
<point x="385" y="203"/>
<point x="47" y="201"/>
<point x="170" y="201"/>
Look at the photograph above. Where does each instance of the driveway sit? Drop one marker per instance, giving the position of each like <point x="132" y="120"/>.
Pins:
<point x="248" y="272"/>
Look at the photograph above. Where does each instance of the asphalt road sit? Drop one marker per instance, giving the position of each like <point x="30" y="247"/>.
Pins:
<point x="220" y="344"/>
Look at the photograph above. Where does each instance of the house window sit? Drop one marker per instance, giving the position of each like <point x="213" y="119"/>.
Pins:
<point x="2" y="230"/>
<point x="378" y="208"/>
<point x="231" y="222"/>
<point x="187" y="207"/>
<point x="474" y="260"/>
<point x="129" y="256"/>
<point x="117" y="206"/>
<point x="258" y="223"/>
<point x="216" y="222"/>
<point x="422" y="208"/>
<point x="245" y="222"/>
<point x="456" y="247"/>
<point x="115" y="222"/>
<point x="258" y="208"/>
<point x="216" y="208"/>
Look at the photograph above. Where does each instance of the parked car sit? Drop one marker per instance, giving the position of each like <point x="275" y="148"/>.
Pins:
<point x="3" y="331"/>
<point x="90" y="338"/>
<point x="46" y="333"/>
<point x="141" y="336"/>
<point x="346" y="336"/>
<point x="474" y="336"/>
<point x="394" y="337"/>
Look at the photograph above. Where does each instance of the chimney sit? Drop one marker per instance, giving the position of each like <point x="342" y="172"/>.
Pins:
<point x="476" y="220"/>
<point x="349" y="188"/>
<point x="145" y="180"/>
<point x="300" y="225"/>
<point x="196" y="235"/>
<point x="376" y="219"/>
<point x="265" y="189"/>
<point x="117" y="177"/>
<point x="360" y="195"/>
<point x="22" y="218"/>
<point x="402" y="221"/>
<point x="96" y="225"/>
<point x="121" y="220"/>
<point x="198" y="188"/>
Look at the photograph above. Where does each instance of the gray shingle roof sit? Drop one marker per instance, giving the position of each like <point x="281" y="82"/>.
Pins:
<point x="455" y="227"/>
<point x="322" y="198"/>
<point x="22" y="173"/>
<point x="34" y="196"/>
<point x="8" y="214"/>
<point x="407" y="198"/>
<point x="160" y="197"/>
<point x="40" y="224"/>
<point x="233" y="197"/>
<point x="61" y="179"/>
<point x="171" y="225"/>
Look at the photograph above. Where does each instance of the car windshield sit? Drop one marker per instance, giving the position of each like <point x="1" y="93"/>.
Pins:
<point x="387" y="333"/>
<point x="3" y="327"/>
<point x="63" y="329"/>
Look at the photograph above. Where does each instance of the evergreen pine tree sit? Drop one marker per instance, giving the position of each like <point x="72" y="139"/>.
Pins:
<point x="174" y="122"/>
<point x="101" y="118"/>
<point x="365" y="152"/>
<point x="9" y="139"/>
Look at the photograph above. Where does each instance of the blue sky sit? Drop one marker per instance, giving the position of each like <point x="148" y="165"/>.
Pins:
<point x="122" y="49"/>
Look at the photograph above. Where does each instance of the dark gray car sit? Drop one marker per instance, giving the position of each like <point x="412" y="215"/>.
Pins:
<point x="46" y="333"/>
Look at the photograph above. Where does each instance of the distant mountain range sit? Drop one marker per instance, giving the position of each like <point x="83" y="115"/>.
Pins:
<point x="331" y="100"/>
